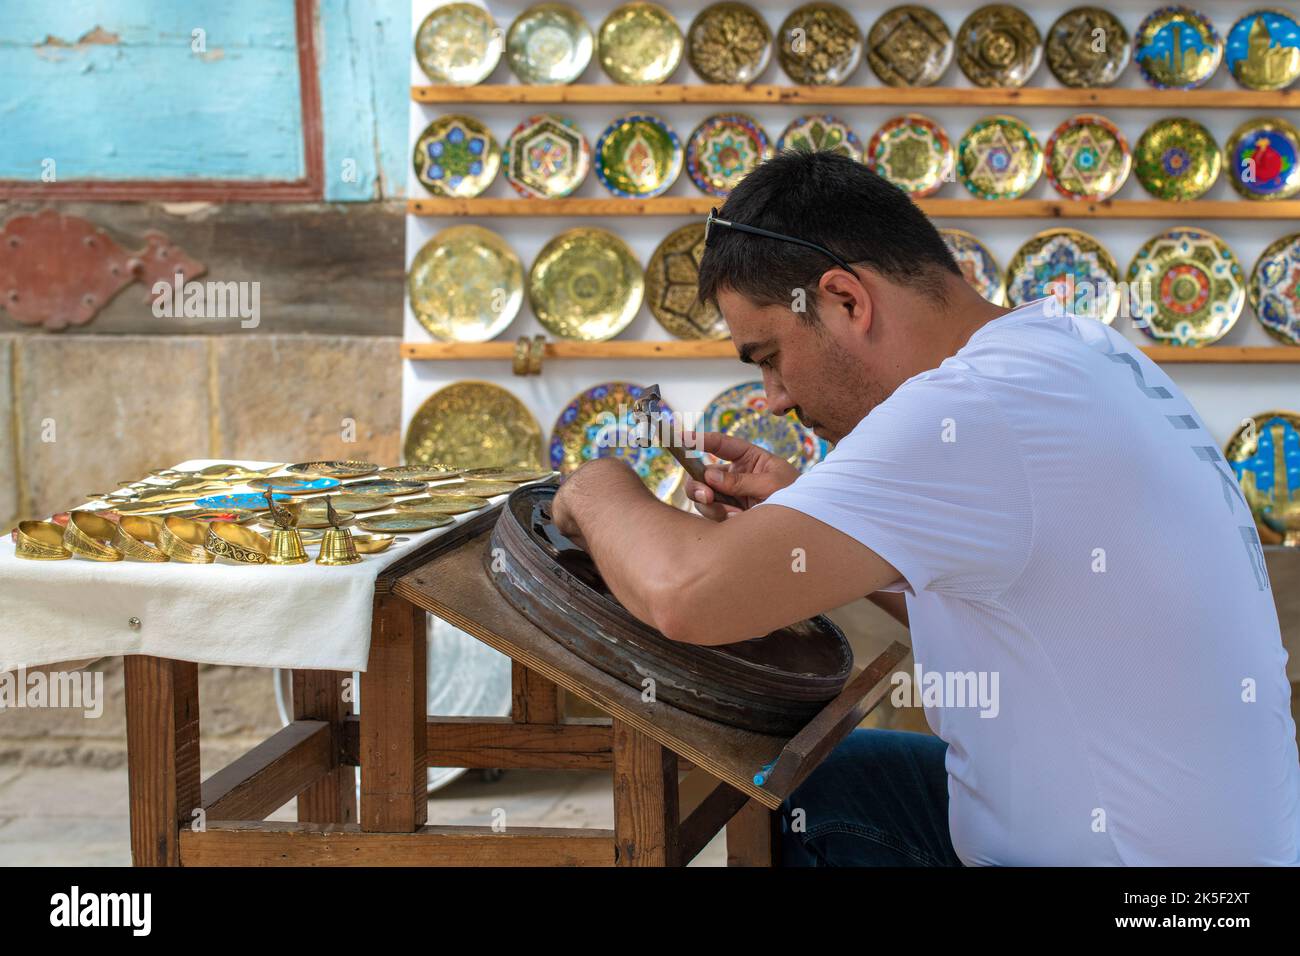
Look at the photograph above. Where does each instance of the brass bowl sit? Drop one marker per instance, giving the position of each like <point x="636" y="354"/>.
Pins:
<point x="40" y="541"/>
<point x="234" y="542"/>
<point x="136" y="536"/>
<point x="372" y="543"/>
<point x="87" y="535"/>
<point x="183" y="540"/>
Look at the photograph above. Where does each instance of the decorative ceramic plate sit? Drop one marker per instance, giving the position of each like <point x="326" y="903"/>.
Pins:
<point x="546" y="157"/>
<point x="585" y="284"/>
<point x="599" y="423"/>
<point x="638" y="156"/>
<point x="389" y="487"/>
<point x="1177" y="48"/>
<point x="1274" y="289"/>
<point x="247" y="502"/>
<point x="723" y="150"/>
<point x="456" y="156"/>
<point x="409" y="524"/>
<point x="472" y="425"/>
<point x="334" y="469"/>
<point x="671" y="287"/>
<point x="513" y="475"/>
<point x="466" y="284"/>
<point x="1087" y="47"/>
<point x="1262" y="159"/>
<point x="1264" y="453"/>
<point x="295" y="485"/>
<point x="419" y="473"/>
<point x="819" y="44"/>
<point x="742" y="411"/>
<point x="821" y="132"/>
<point x="443" y="504"/>
<point x="977" y="264"/>
<point x="1189" y="287"/>
<point x="998" y="45"/>
<point x="354" y="503"/>
<point x="913" y="152"/>
<point x="549" y="43"/>
<point x="909" y="46"/>
<point x="640" y="43"/>
<point x="729" y="43"/>
<point x="1177" y="158"/>
<point x="999" y="158"/>
<point x="1263" y="50"/>
<point x="458" y="44"/>
<point x="1072" y="266"/>
<point x="1087" y="157"/>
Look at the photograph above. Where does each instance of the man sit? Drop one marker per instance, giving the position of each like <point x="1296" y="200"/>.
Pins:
<point x="1028" y="492"/>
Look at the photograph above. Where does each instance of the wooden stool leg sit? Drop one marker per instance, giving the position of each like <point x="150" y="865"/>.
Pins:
<point x="318" y="695"/>
<point x="394" y="720"/>
<point x="534" y="699"/>
<point x="754" y="836"/>
<point x="646" y="812"/>
<point x="162" y="755"/>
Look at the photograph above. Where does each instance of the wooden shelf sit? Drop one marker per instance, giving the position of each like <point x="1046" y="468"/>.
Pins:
<point x="616" y="95"/>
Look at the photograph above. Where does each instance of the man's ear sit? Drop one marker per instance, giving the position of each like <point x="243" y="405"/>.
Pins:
<point x="847" y="292"/>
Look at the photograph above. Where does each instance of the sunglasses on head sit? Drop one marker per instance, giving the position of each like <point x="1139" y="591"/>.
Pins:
<point x="713" y="220"/>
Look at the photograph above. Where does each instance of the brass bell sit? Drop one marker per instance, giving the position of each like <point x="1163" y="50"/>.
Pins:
<point x="337" y="547"/>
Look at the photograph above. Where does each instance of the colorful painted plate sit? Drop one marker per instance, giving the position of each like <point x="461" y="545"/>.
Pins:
<point x="458" y="44"/>
<point x="998" y="45"/>
<point x="671" y="287"/>
<point x="977" y="264"/>
<point x="640" y="43"/>
<point x="1087" y="157"/>
<point x="729" y="43"/>
<point x="1274" y="289"/>
<point x="909" y="46"/>
<point x="546" y="157"/>
<point x="473" y="425"/>
<point x="1261" y="156"/>
<point x="419" y="473"/>
<point x="913" y="152"/>
<point x="1189" y="288"/>
<point x="249" y="502"/>
<point x="819" y="44"/>
<point x="599" y="423"/>
<point x="742" y="411"/>
<point x="638" y="156"/>
<point x="334" y="469"/>
<point x="549" y="43"/>
<point x="999" y="158"/>
<point x="466" y="284"/>
<point x="1177" y="48"/>
<point x="1265" y="455"/>
<point x="585" y="284"/>
<point x="1263" y="50"/>
<point x="456" y="156"/>
<point x="295" y="485"/>
<point x="1070" y="265"/>
<point x="389" y="487"/>
<point x="408" y="524"/>
<point x="1177" y="158"/>
<point x="1087" y="47"/>
<point x="723" y="150"/>
<point x="821" y="132"/>
<point x="443" y="504"/>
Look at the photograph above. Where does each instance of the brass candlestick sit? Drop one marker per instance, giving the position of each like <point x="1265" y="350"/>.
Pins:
<point x="337" y="547"/>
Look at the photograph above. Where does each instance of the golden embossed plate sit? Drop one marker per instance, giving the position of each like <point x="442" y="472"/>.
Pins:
<point x="466" y="284"/>
<point x="473" y="425"/>
<point x="1177" y="158"/>
<point x="638" y="156"/>
<point x="671" y="287"/>
<point x="1190" y="288"/>
<point x="334" y="469"/>
<point x="1263" y="50"/>
<point x="458" y="43"/>
<point x="640" y="43"/>
<point x="1070" y="265"/>
<point x="1274" y="289"/>
<point x="909" y="46"/>
<point x="419" y="473"/>
<point x="1087" y="157"/>
<point x="443" y="504"/>
<point x="819" y="44"/>
<point x="913" y="152"/>
<point x="585" y="284"/>
<point x="821" y="132"/>
<point x="549" y="43"/>
<point x="546" y="157"/>
<point x="729" y="42"/>
<point x="356" y="503"/>
<point x="389" y="487"/>
<point x="977" y="264"/>
<point x="999" y="158"/>
<point x="998" y="45"/>
<point x="456" y="156"/>
<point x="1263" y="159"/>
<point x="1087" y="47"/>
<point x="472" y="489"/>
<point x="1177" y="48"/>
<point x="513" y="475"/>
<point x="411" y="524"/>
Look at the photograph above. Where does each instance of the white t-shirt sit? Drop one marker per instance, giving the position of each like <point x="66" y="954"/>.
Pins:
<point x="1062" y="519"/>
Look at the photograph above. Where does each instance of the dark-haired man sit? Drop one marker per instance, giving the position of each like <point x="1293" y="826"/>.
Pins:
<point x="1026" y="490"/>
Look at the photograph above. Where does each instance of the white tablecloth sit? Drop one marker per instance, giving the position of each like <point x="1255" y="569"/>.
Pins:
<point x="304" y="616"/>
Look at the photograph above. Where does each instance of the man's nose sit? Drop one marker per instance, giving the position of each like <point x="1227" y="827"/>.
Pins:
<point x="778" y="402"/>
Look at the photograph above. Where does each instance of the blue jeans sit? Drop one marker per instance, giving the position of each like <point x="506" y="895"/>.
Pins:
<point x="879" y="799"/>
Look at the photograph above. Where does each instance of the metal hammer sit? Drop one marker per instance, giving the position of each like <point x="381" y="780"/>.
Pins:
<point x="646" y="409"/>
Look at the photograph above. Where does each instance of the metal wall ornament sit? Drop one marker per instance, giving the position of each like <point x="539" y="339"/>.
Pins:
<point x="1264" y="452"/>
<point x="1274" y="289"/>
<point x="1263" y="159"/>
<point x="640" y="44"/>
<point x="585" y="284"/>
<point x="1177" y="158"/>
<point x="743" y="411"/>
<point x="671" y="287"/>
<point x="729" y="42"/>
<point x="977" y="264"/>
<point x="1177" y="48"/>
<point x="1070" y="265"/>
<point x="723" y="150"/>
<point x="549" y="43"/>
<point x="999" y="46"/>
<point x="999" y="158"/>
<point x="913" y="152"/>
<point x="458" y="44"/>
<point x="1197" y="290"/>
<point x="821" y="132"/>
<point x="472" y="424"/>
<point x="638" y="156"/>
<point x="1087" y="157"/>
<point x="909" y="46"/>
<point x="819" y="44"/>
<point x="546" y="157"/>
<point x="1263" y="50"/>
<point x="456" y="156"/>
<point x="466" y="284"/>
<point x="1087" y="47"/>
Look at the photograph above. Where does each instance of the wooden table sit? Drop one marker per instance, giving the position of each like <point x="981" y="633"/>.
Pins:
<point x="178" y="821"/>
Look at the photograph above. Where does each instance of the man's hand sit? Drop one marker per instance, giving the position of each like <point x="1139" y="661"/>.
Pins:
<point x="751" y="476"/>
